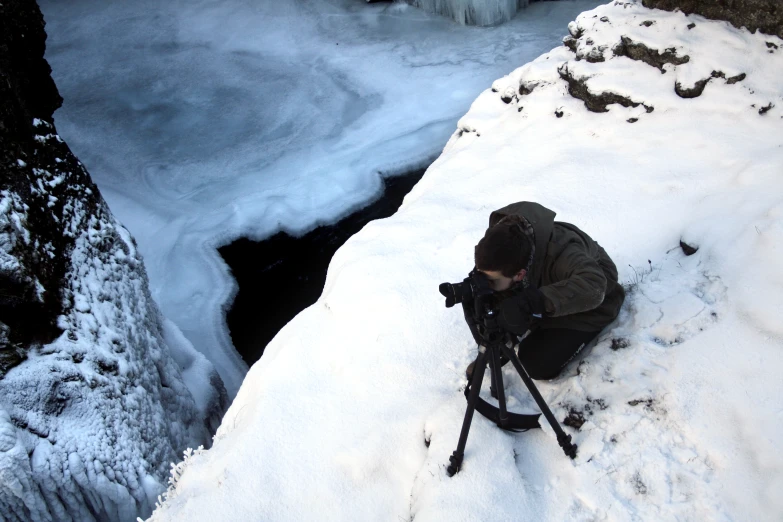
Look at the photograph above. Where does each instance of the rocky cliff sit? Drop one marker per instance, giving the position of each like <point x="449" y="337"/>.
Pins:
<point x="756" y="15"/>
<point x="98" y="392"/>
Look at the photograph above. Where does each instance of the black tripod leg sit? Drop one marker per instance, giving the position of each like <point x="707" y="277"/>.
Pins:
<point x="562" y="438"/>
<point x="492" y="362"/>
<point x="475" y="388"/>
<point x="497" y="380"/>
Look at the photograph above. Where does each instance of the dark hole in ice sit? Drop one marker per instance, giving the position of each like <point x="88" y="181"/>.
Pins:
<point x="281" y="276"/>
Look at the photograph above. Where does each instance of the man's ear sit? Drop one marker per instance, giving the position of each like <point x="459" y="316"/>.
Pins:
<point x="520" y="275"/>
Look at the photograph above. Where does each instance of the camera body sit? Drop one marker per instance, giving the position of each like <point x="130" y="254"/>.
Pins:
<point x="483" y="310"/>
<point x="476" y="285"/>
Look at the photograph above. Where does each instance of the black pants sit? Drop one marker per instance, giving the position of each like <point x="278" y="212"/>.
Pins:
<point x="545" y="352"/>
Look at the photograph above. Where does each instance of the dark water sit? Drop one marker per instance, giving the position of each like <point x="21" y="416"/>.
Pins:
<point x="283" y="275"/>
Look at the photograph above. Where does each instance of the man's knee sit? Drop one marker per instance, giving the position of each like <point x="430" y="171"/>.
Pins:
<point x="540" y="370"/>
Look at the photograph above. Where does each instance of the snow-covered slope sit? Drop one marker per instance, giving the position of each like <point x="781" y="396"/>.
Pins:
<point x="354" y="408"/>
<point x="98" y="391"/>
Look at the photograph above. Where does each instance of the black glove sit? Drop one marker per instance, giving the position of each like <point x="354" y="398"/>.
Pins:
<point x="520" y="308"/>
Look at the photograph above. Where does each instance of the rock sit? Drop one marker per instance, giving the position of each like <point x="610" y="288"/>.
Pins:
<point x="756" y="15"/>
<point x="653" y="57"/>
<point x="94" y="405"/>
<point x="691" y="92"/>
<point x="687" y="249"/>
<point x="577" y="87"/>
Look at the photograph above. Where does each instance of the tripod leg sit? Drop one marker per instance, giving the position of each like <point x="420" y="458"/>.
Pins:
<point x="475" y="388"/>
<point x="563" y="439"/>
<point x="497" y="379"/>
<point x="492" y="362"/>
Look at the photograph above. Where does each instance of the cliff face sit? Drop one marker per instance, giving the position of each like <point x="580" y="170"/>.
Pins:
<point x="95" y="385"/>
<point x="756" y="15"/>
<point x="27" y="91"/>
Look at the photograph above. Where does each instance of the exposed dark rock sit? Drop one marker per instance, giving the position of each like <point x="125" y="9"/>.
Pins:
<point x="604" y="18"/>
<point x="691" y="26"/>
<point x="735" y="79"/>
<point x="527" y="88"/>
<point x="558" y="113"/>
<point x="687" y="249"/>
<point x="639" y="51"/>
<point x="619" y="343"/>
<point x="575" y="419"/>
<point x="771" y="45"/>
<point x="595" y="55"/>
<point x="691" y="92"/>
<point x="632" y="120"/>
<point x="731" y="80"/>
<point x="766" y="108"/>
<point x="575" y="33"/>
<point x="30" y="301"/>
<point x="649" y="404"/>
<point x="698" y="87"/>
<point x="577" y="416"/>
<point x="647" y="23"/>
<point x="762" y="15"/>
<point x="571" y="42"/>
<point x="577" y="87"/>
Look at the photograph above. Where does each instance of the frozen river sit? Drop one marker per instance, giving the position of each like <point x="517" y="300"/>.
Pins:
<point x="205" y="121"/>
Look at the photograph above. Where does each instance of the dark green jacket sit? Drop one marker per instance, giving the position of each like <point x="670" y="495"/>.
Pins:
<point x="576" y="276"/>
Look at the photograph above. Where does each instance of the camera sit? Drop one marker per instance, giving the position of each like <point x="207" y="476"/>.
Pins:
<point x="476" y="285"/>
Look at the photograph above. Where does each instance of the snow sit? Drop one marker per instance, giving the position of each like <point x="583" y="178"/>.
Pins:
<point x="680" y="396"/>
<point x="202" y="122"/>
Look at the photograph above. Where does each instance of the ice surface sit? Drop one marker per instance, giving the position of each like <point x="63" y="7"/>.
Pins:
<point x="681" y="396"/>
<point x="204" y="121"/>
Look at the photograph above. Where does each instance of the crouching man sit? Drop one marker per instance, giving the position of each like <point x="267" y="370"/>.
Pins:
<point x="553" y="272"/>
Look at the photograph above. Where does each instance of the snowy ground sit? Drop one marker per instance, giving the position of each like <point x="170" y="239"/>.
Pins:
<point x="681" y="397"/>
<point x="205" y="121"/>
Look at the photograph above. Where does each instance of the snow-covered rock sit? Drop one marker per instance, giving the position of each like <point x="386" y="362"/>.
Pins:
<point x="762" y="15"/>
<point x="354" y="408"/>
<point x="98" y="391"/>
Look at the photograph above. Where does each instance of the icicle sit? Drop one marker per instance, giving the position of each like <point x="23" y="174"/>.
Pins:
<point x="473" y="12"/>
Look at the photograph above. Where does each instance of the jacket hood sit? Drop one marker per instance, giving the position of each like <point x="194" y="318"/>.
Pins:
<point x="541" y="219"/>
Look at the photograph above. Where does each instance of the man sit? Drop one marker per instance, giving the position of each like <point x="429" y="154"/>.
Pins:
<point x="553" y="273"/>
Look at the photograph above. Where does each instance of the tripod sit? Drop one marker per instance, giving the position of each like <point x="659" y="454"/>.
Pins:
<point x="494" y="341"/>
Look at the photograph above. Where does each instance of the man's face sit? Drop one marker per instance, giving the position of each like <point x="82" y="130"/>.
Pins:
<point x="498" y="282"/>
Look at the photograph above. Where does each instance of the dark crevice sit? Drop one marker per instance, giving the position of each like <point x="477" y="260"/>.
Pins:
<point x="281" y="276"/>
<point x="577" y="87"/>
